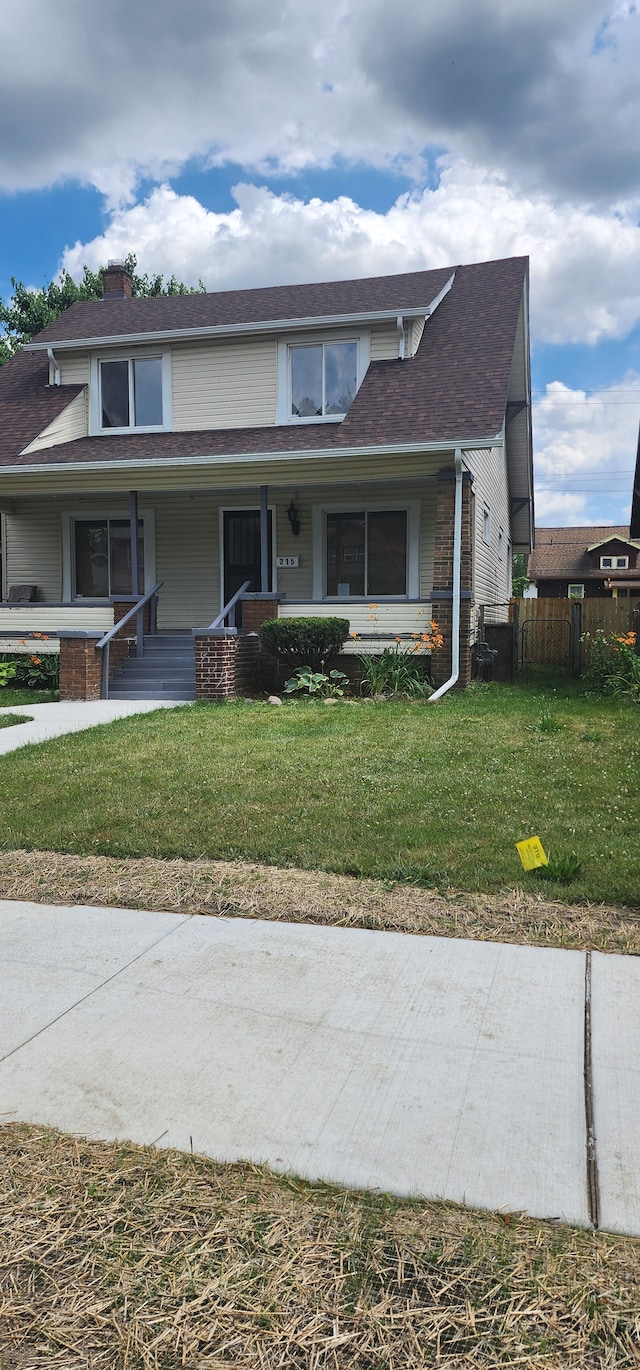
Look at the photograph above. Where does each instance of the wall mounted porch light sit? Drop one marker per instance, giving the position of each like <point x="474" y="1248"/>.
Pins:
<point x="294" y="519"/>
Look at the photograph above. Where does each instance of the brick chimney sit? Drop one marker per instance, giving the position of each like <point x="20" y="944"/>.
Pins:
<point x="116" y="282"/>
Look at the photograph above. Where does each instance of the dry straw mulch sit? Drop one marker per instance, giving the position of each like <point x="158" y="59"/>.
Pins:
<point x="118" y="1257"/>
<point x="252" y="891"/>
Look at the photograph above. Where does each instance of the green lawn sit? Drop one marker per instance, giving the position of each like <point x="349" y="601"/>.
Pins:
<point x="434" y="794"/>
<point x="10" y="720"/>
<point x="9" y="698"/>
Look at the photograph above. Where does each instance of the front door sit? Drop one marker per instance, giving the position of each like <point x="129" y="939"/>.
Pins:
<point x="241" y="552"/>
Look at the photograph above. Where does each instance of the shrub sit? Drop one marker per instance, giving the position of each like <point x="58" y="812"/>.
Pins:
<point x="615" y="666"/>
<point x="304" y="641"/>
<point x="32" y="672"/>
<point x="7" y="672"/>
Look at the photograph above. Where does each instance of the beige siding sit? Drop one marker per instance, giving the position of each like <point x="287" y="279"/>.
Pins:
<point x="224" y="385"/>
<point x="492" y="581"/>
<point x="33" y="555"/>
<point x="415" y="336"/>
<point x="70" y="424"/>
<point x="74" y="368"/>
<point x="49" y="619"/>
<point x="187" y="559"/>
<point x="384" y="342"/>
<point x="374" y="632"/>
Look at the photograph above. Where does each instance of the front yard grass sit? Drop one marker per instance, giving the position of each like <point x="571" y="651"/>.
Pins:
<point x="10" y="720"/>
<point x="115" y="1255"/>
<point x="12" y="697"/>
<point x="434" y="795"/>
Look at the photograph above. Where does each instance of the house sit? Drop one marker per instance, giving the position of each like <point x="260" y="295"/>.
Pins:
<point x="311" y="443"/>
<point x="585" y="563"/>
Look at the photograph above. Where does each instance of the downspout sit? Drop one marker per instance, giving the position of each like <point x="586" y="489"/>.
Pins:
<point x="55" y="365"/>
<point x="457" y="558"/>
<point x="400" y="328"/>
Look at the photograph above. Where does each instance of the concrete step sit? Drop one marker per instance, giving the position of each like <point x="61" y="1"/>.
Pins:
<point x="156" y="690"/>
<point x="142" y="669"/>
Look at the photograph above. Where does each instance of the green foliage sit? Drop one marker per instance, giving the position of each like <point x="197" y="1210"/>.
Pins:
<point x="32" y="672"/>
<point x="28" y="311"/>
<point x="7" y="672"/>
<point x="304" y="641"/>
<point x="519" y="577"/>
<point x="562" y="869"/>
<point x="615" y="666"/>
<point x="548" y="722"/>
<point x="316" y="683"/>
<point x="395" y="672"/>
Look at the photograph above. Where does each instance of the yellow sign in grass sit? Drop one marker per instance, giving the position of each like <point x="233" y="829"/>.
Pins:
<point x="532" y="853"/>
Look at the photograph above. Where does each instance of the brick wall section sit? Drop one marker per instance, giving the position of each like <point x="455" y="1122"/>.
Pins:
<point x="249" y="665"/>
<point x="80" y="667"/>
<point x="255" y="612"/>
<point x="443" y="578"/>
<point x="216" y="664"/>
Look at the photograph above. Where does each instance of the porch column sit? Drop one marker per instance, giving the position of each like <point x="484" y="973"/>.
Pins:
<point x="264" y="539"/>
<point x="135" y="567"/>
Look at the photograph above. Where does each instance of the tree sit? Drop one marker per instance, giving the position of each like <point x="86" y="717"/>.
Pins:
<point x="28" y="311"/>
<point x="519" y="577"/>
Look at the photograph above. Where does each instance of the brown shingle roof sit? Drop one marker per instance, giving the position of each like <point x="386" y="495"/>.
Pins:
<point x="105" y="318"/>
<point x="27" y="403"/>
<point x="455" y="387"/>
<point x="561" y="553"/>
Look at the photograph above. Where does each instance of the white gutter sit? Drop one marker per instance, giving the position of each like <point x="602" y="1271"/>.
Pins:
<point x="256" y="326"/>
<point x="457" y="558"/>
<point x="244" y="458"/>
<point x="400" y="328"/>
<point x="55" y="365"/>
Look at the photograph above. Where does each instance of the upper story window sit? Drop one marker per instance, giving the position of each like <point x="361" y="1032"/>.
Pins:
<point x="130" y="393"/>
<point x="614" y="563"/>
<point x="318" y="378"/>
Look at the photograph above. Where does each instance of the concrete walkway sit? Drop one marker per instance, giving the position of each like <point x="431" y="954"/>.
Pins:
<point x="417" y="1065"/>
<point x="52" y="720"/>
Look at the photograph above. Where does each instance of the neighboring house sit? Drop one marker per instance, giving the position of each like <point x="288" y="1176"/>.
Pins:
<point x="583" y="563"/>
<point x="305" y="438"/>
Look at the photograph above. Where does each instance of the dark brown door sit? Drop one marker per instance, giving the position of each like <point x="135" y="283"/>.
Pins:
<point x="241" y="536"/>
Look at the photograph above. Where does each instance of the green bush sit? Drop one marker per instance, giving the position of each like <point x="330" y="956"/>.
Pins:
<point x="317" y="684"/>
<point x="615" y="666"/>
<point x="304" y="641"/>
<point x="395" y="672"/>
<point x="7" y="672"/>
<point x="32" y="672"/>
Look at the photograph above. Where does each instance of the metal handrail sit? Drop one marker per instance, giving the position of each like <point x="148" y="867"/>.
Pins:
<point x="104" y="643"/>
<point x="229" y="608"/>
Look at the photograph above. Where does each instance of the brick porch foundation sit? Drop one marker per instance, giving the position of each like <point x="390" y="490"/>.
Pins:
<point x="80" y="664"/>
<point x="216" y="663"/>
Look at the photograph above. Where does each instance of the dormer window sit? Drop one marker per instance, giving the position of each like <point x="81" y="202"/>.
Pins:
<point x="318" y="378"/>
<point x="131" y="393"/>
<point x="614" y="563"/>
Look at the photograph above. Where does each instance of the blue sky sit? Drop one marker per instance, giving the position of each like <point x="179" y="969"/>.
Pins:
<point x="251" y="142"/>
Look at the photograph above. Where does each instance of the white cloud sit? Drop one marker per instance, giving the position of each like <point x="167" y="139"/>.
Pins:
<point x="585" y="266"/>
<point x="585" y="446"/>
<point x="107" y="91"/>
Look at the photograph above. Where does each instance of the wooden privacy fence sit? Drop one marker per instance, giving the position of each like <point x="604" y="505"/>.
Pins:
<point x="551" y="632"/>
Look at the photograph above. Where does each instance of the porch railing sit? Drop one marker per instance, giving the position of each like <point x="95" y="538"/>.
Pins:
<point x="229" y="610"/>
<point x="136" y="611"/>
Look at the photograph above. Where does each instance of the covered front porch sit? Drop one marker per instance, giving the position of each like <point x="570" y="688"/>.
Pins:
<point x="363" y="551"/>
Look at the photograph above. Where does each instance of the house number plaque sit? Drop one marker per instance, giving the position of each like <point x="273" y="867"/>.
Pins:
<point x="287" y="563"/>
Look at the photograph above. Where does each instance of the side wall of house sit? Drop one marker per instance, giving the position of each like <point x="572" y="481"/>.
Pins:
<point x="491" y="539"/>
<point x="69" y="425"/>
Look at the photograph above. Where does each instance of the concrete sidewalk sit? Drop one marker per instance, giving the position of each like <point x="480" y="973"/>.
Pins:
<point x="52" y="720"/>
<point x="417" y="1065"/>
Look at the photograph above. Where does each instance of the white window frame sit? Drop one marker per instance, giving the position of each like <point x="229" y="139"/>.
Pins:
<point x="319" y="547"/>
<point x="283" y="406"/>
<point x="95" y="403"/>
<point x="571" y="591"/>
<point x="69" y="518"/>
<point x="486" y="525"/>
<point x="614" y="563"/>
